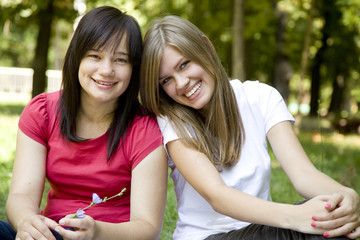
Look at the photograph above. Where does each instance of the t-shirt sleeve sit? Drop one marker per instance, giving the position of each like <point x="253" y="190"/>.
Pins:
<point x="272" y="106"/>
<point x="167" y="130"/>
<point x="144" y="137"/>
<point x="34" y="119"/>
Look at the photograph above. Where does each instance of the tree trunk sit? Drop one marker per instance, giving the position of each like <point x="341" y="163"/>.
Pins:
<point x="315" y="81"/>
<point x="238" y="56"/>
<point x="337" y="98"/>
<point x="317" y="63"/>
<point x="45" y="17"/>
<point x="305" y="53"/>
<point x="283" y="70"/>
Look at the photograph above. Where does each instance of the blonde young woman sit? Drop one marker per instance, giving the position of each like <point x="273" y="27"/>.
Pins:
<point x="215" y="132"/>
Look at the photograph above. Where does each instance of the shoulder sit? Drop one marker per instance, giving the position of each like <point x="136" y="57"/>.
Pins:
<point x="251" y="86"/>
<point x="38" y="115"/>
<point x="254" y="91"/>
<point x="147" y="120"/>
<point x="43" y="104"/>
<point x="145" y="125"/>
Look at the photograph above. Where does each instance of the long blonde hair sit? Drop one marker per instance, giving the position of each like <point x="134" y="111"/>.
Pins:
<point x="219" y="134"/>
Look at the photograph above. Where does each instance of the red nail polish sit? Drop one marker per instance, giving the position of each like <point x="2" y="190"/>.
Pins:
<point x="313" y="218"/>
<point x="313" y="224"/>
<point x="325" y="234"/>
<point x="327" y="206"/>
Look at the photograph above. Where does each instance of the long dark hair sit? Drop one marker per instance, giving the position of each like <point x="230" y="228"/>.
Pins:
<point x="101" y="26"/>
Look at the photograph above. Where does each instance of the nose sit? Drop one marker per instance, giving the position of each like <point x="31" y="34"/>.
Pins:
<point x="182" y="82"/>
<point x="106" y="68"/>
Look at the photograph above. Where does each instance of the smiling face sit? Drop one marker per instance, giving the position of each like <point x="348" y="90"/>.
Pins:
<point x="184" y="80"/>
<point x="105" y="74"/>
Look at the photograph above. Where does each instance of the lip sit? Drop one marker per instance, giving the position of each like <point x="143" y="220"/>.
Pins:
<point x="103" y="83"/>
<point x="190" y="93"/>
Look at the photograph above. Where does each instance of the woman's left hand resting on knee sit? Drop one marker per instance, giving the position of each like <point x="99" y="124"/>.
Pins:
<point x="343" y="217"/>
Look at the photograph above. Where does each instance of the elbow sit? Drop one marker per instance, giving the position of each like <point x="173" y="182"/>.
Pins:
<point x="216" y="201"/>
<point x="217" y="206"/>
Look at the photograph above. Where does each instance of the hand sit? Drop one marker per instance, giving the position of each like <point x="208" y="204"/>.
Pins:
<point x="85" y="228"/>
<point x="305" y="211"/>
<point x="36" y="227"/>
<point x="342" y="217"/>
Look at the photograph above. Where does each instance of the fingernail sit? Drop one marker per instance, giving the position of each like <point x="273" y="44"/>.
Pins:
<point x="328" y="206"/>
<point x="325" y="234"/>
<point x="313" y="224"/>
<point x="62" y="222"/>
<point x="313" y="218"/>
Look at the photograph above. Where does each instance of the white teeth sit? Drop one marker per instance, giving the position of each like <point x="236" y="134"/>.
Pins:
<point x="103" y="83"/>
<point x="197" y="86"/>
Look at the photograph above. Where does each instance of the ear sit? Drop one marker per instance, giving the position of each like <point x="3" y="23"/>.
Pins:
<point x="211" y="46"/>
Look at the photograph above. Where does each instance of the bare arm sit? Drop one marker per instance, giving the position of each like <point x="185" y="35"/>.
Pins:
<point x="342" y="203"/>
<point x="307" y="180"/>
<point x="203" y="176"/>
<point x="26" y="190"/>
<point x="148" y="199"/>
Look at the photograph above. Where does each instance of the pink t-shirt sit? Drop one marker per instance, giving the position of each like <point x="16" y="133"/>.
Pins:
<point x="76" y="170"/>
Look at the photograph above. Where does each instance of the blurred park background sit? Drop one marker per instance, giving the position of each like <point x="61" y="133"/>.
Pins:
<point x="307" y="49"/>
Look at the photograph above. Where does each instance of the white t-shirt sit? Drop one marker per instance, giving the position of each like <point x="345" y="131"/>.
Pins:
<point x="261" y="107"/>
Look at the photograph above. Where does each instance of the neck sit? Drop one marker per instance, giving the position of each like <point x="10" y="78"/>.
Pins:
<point x="93" y="118"/>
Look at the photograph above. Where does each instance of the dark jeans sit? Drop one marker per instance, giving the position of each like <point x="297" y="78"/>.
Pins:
<point x="261" y="232"/>
<point x="8" y="233"/>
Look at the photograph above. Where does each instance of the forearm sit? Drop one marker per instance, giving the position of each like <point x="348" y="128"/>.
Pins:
<point x="306" y="179"/>
<point x="137" y="230"/>
<point x="20" y="203"/>
<point x="316" y="183"/>
<point x="247" y="208"/>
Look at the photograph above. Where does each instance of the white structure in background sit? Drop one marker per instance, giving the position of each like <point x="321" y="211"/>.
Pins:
<point x="17" y="82"/>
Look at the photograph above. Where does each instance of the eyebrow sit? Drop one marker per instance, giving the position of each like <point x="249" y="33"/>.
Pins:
<point x="122" y="53"/>
<point x="116" y="52"/>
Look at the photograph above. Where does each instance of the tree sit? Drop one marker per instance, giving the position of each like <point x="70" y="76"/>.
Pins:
<point x="45" y="18"/>
<point x="48" y="11"/>
<point x="320" y="56"/>
<point x="283" y="70"/>
<point x="238" y="55"/>
<point x="305" y="53"/>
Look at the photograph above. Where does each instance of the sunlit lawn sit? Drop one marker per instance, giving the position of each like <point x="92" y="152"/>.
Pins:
<point x="335" y="154"/>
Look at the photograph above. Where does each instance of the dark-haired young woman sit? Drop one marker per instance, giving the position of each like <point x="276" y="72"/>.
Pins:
<point x="91" y="137"/>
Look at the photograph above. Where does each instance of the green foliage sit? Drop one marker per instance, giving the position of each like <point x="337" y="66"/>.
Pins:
<point x="18" y="20"/>
<point x="9" y="115"/>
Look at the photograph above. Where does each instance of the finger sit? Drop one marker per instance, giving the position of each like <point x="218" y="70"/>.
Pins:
<point x="333" y="202"/>
<point x="341" y="231"/>
<point x="75" y="222"/>
<point x="36" y="229"/>
<point x="67" y="234"/>
<point x="354" y="234"/>
<point x="335" y="214"/>
<point x="50" y="223"/>
<point x="31" y="234"/>
<point x="330" y="224"/>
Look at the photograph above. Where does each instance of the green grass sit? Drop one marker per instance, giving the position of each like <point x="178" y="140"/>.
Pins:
<point x="335" y="154"/>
